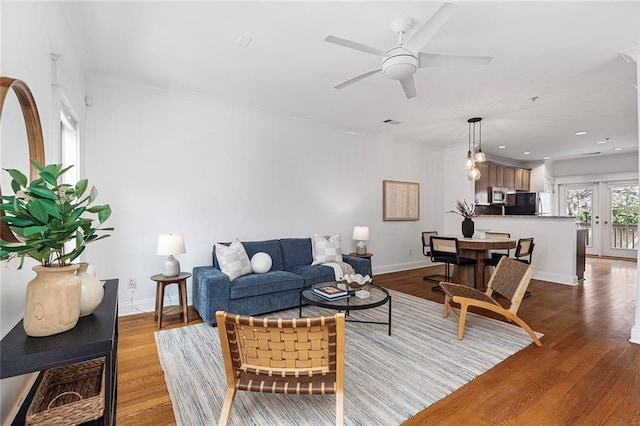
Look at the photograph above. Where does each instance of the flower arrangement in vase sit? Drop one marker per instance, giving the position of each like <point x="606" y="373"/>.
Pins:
<point x="467" y="211"/>
<point x="45" y="215"/>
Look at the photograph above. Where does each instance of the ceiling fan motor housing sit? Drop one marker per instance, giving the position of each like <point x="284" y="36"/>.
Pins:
<point x="399" y="63"/>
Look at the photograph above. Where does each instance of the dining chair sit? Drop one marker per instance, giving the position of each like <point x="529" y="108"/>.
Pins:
<point x="303" y="356"/>
<point x="524" y="254"/>
<point x="510" y="279"/>
<point x="524" y="250"/>
<point x="447" y="250"/>
<point x="426" y="250"/>
<point x="495" y="256"/>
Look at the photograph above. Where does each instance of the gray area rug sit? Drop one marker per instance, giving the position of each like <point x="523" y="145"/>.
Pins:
<point x="388" y="379"/>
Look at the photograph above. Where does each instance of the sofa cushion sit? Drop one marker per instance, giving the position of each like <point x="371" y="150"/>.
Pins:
<point x="296" y="252"/>
<point x="326" y="249"/>
<point x="233" y="259"/>
<point x="259" y="284"/>
<point x="271" y="247"/>
<point x="314" y="274"/>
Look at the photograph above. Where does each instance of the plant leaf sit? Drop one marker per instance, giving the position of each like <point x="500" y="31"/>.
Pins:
<point x="49" y="178"/>
<point x="93" y="195"/>
<point x="31" y="230"/>
<point x="18" y="176"/>
<point x="42" y="191"/>
<point x="37" y="209"/>
<point x="104" y="214"/>
<point x="81" y="186"/>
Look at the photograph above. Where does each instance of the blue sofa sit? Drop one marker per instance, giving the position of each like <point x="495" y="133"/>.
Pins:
<point x="256" y="294"/>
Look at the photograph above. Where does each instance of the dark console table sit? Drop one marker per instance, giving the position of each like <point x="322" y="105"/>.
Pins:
<point x="94" y="336"/>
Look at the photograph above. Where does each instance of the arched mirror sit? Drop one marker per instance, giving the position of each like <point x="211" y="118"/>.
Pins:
<point x="20" y="142"/>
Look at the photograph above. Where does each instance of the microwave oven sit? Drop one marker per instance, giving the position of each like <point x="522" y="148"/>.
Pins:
<point x="497" y="195"/>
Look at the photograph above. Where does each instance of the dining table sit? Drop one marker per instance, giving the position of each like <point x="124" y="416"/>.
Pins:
<point x="478" y="249"/>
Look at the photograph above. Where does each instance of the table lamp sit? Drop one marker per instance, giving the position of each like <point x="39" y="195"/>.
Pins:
<point x="170" y="244"/>
<point x="361" y="233"/>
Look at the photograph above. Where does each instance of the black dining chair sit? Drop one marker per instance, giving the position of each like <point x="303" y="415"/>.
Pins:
<point x="447" y="250"/>
<point x="426" y="250"/>
<point x="524" y="254"/>
<point x="492" y="262"/>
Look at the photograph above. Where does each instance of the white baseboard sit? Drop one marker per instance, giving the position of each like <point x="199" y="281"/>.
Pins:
<point x="555" y="278"/>
<point x="398" y="267"/>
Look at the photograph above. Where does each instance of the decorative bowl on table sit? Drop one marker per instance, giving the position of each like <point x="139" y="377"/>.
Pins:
<point x="357" y="281"/>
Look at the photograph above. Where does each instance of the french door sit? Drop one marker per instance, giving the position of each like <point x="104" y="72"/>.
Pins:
<point x="609" y="211"/>
<point x="620" y="231"/>
<point x="581" y="201"/>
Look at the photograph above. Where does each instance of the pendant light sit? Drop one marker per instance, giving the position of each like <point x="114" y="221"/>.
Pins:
<point x="473" y="173"/>
<point x="469" y="162"/>
<point x="479" y="156"/>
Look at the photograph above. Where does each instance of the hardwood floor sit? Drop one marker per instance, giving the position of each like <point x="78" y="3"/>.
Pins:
<point x="585" y="373"/>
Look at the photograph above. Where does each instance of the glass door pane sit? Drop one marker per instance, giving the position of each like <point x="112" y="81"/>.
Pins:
<point x="579" y="204"/>
<point x="622" y="223"/>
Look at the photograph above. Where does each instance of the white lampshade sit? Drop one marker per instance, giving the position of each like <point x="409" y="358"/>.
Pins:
<point x="170" y="244"/>
<point x="361" y="233"/>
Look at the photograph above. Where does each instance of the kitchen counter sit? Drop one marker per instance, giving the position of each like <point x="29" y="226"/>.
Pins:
<point x="555" y="239"/>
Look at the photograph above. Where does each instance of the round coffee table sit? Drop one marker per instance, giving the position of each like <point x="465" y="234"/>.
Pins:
<point x="378" y="296"/>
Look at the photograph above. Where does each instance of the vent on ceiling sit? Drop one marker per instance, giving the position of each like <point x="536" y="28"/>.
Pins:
<point x="390" y="121"/>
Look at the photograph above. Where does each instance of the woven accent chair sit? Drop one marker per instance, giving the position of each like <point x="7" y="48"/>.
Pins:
<point x="302" y="356"/>
<point x="510" y="279"/>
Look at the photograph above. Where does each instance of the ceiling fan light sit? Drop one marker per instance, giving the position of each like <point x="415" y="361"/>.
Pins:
<point x="400" y="66"/>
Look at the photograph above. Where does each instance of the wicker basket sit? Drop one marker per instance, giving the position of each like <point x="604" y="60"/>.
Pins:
<point x="69" y="395"/>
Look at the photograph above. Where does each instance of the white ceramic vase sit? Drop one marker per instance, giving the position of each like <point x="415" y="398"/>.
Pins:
<point x="52" y="302"/>
<point x="92" y="291"/>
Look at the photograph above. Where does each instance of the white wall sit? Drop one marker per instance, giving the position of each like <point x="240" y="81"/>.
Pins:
<point x="30" y="32"/>
<point x="168" y="161"/>
<point x="594" y="165"/>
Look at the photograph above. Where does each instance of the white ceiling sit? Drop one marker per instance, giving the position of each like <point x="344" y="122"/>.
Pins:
<point x="564" y="53"/>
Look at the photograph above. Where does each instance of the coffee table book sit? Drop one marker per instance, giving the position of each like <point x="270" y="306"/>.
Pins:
<point x="330" y="292"/>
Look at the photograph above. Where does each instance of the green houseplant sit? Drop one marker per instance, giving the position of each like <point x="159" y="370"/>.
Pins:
<point x="45" y="215"/>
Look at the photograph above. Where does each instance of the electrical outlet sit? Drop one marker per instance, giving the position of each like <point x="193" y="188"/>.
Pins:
<point x="132" y="283"/>
<point x="410" y="252"/>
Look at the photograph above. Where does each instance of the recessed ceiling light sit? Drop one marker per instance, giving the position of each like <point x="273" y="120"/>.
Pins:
<point x="600" y="142"/>
<point x="545" y="158"/>
<point x="581" y="133"/>
<point x="526" y="153"/>
<point x="502" y="146"/>
<point x="617" y="149"/>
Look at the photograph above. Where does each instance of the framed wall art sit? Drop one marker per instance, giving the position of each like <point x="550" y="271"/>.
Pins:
<point x="400" y="200"/>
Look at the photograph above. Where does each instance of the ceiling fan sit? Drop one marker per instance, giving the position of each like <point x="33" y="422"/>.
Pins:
<point x="402" y="61"/>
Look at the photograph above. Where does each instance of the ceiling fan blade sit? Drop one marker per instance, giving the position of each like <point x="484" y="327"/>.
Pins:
<point x="421" y="37"/>
<point x="356" y="79"/>
<point x="409" y="87"/>
<point x="353" y="45"/>
<point x="435" y="60"/>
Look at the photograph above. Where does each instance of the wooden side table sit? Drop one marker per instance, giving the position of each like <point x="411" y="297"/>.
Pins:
<point x="181" y="308"/>
<point x="367" y="256"/>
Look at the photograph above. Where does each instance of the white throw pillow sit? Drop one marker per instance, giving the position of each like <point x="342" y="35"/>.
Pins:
<point x="233" y="259"/>
<point x="326" y="249"/>
<point x="261" y="262"/>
